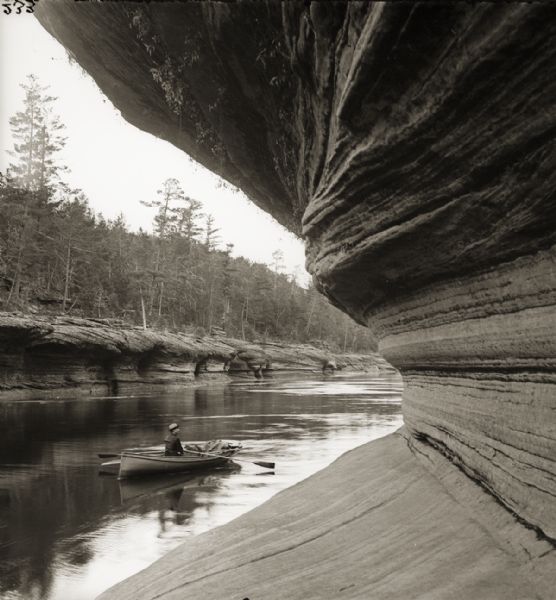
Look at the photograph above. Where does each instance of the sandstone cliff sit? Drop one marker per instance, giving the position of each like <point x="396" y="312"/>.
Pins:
<point x="412" y="145"/>
<point x="42" y="353"/>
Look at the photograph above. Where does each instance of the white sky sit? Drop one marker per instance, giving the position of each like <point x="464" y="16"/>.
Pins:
<point x="117" y="165"/>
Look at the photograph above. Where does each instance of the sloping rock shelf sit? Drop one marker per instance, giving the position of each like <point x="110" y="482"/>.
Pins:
<point x="339" y="534"/>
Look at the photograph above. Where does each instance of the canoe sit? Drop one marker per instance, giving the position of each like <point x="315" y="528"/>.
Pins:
<point x="134" y="464"/>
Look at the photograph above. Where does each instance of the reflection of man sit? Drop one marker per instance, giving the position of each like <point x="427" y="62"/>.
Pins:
<point x="172" y="441"/>
<point x="172" y="514"/>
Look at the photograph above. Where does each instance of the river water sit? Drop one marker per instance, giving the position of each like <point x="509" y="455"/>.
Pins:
<point x="68" y="533"/>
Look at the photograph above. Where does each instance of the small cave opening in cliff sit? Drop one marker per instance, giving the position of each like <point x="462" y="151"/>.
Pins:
<point x="145" y="363"/>
<point x="108" y="373"/>
<point x="201" y="367"/>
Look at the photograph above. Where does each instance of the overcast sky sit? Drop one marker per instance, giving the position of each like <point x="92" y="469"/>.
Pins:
<point x="117" y="165"/>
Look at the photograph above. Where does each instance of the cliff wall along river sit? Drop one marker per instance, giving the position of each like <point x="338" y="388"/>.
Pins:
<point x="40" y="353"/>
<point x="412" y="146"/>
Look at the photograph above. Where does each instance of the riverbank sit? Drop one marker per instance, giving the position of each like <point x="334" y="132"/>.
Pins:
<point x="104" y="356"/>
<point x="389" y="520"/>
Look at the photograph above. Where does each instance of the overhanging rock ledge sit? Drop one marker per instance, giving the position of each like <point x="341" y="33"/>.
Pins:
<point x="412" y="146"/>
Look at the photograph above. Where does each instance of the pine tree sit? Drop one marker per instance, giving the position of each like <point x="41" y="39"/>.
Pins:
<point x="35" y="171"/>
<point x="37" y="131"/>
<point x="164" y="222"/>
<point x="228" y="271"/>
<point x="76" y="238"/>
<point x="187" y="222"/>
<point x="211" y="234"/>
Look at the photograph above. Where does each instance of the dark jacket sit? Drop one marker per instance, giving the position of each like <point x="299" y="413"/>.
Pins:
<point x="173" y="446"/>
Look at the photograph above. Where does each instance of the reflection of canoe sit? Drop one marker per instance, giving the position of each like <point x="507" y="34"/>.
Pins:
<point x="147" y="487"/>
<point x="134" y="464"/>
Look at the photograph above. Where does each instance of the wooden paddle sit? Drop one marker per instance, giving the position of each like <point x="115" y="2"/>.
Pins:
<point x="135" y="450"/>
<point x="264" y="465"/>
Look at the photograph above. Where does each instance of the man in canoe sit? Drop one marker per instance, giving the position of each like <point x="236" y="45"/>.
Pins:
<point x="172" y="441"/>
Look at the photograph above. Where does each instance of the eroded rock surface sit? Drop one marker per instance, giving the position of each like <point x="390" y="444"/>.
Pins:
<point x="41" y="353"/>
<point x="412" y="145"/>
<point x="339" y="534"/>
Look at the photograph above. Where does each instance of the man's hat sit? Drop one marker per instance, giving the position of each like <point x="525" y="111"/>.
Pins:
<point x="173" y="427"/>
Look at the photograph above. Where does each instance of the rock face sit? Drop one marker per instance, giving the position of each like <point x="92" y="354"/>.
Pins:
<point x="412" y="145"/>
<point x="40" y="353"/>
<point x="339" y="534"/>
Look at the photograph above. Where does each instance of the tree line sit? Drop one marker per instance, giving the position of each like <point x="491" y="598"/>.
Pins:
<point x="58" y="256"/>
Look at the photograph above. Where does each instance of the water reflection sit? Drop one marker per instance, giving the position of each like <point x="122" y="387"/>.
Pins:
<point x="174" y="497"/>
<point x="66" y="532"/>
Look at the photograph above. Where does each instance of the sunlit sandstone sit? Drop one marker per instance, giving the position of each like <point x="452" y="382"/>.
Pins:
<point x="412" y="146"/>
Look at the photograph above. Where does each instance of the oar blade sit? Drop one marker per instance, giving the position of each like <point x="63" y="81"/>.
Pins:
<point x="265" y="465"/>
<point x="140" y="449"/>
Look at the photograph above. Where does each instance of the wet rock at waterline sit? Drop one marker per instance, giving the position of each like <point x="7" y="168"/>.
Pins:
<point x="41" y="353"/>
<point x="412" y="145"/>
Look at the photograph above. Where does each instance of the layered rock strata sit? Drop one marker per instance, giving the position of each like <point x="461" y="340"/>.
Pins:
<point x="412" y="145"/>
<point x="41" y="353"/>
